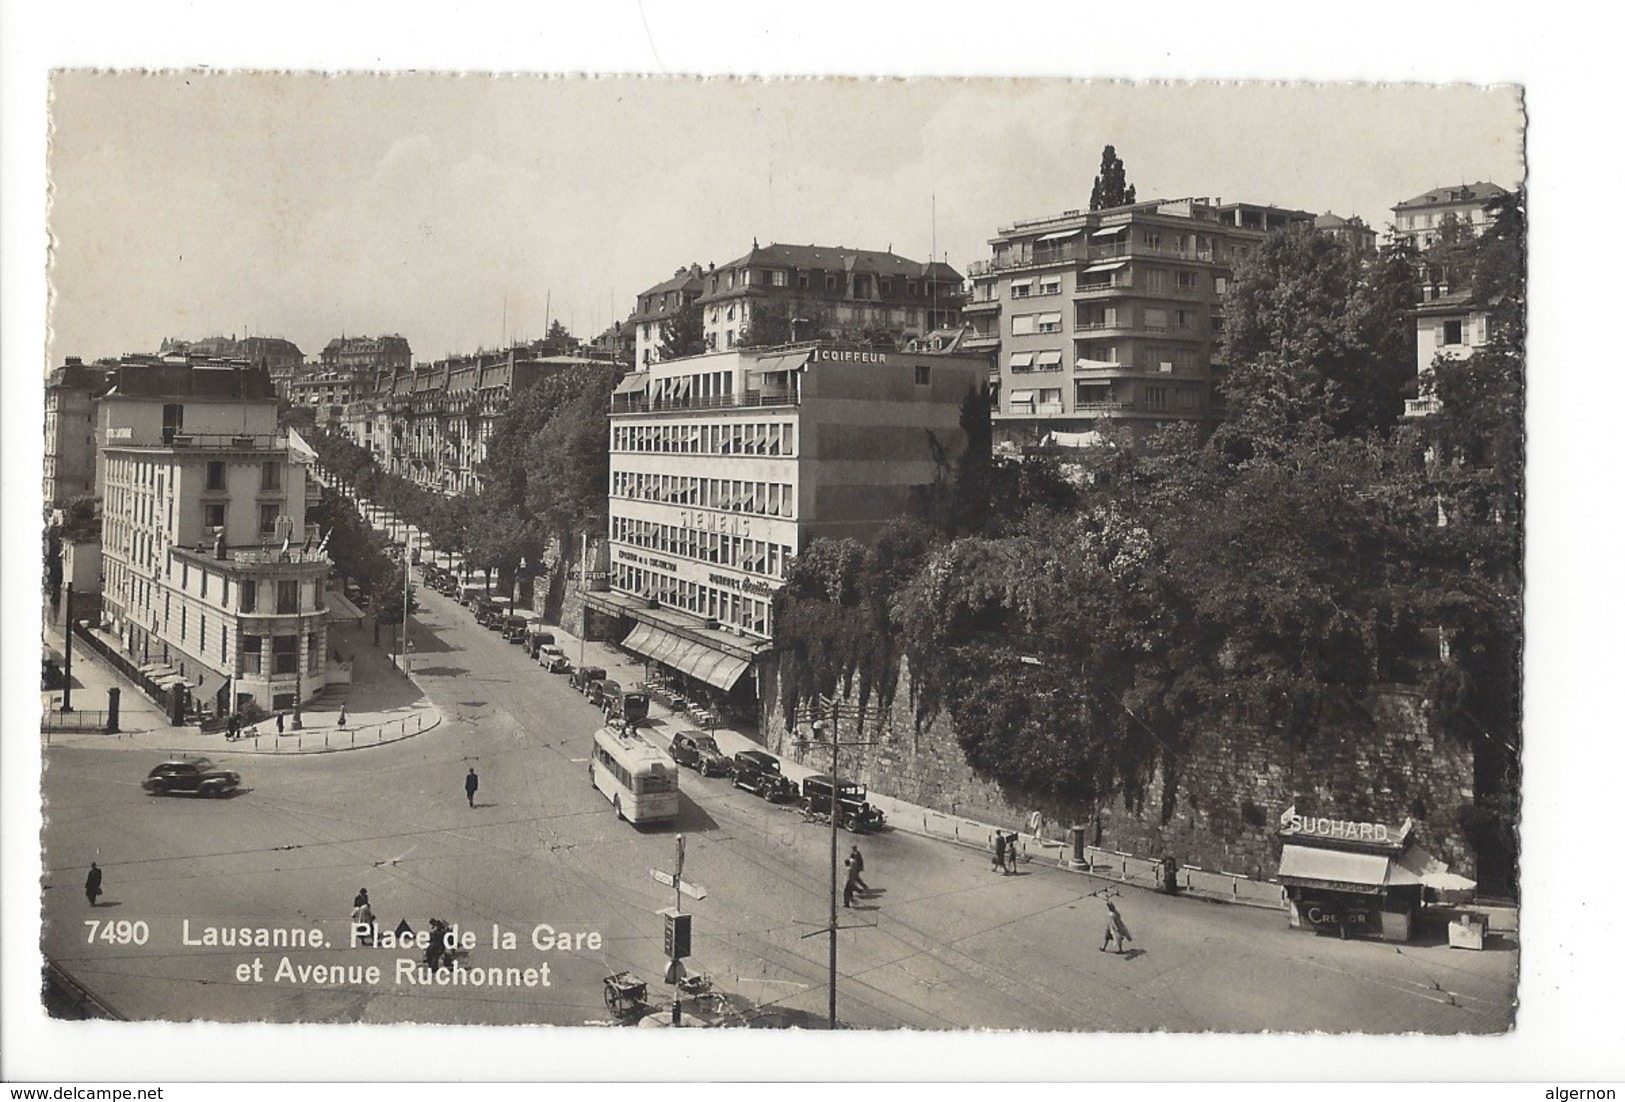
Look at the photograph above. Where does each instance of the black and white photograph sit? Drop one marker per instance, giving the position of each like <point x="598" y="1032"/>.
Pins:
<point x="907" y="554"/>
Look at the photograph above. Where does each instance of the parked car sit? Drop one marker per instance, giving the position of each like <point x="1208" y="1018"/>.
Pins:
<point x="699" y="751"/>
<point x="604" y="693"/>
<point x="634" y="706"/>
<point x="583" y="676"/>
<point x="548" y="651"/>
<point x="555" y="663"/>
<point x="194" y="776"/>
<point x="852" y="807"/>
<point x="759" y="772"/>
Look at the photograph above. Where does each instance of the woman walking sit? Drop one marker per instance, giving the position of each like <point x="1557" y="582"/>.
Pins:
<point x="1115" y="928"/>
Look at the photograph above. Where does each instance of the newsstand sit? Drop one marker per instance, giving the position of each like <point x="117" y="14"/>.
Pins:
<point x="1360" y="879"/>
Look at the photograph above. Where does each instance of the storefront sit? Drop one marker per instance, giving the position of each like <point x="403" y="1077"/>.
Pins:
<point x="1360" y="879"/>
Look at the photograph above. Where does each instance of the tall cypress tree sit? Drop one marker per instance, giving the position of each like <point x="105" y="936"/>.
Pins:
<point x="1111" y="188"/>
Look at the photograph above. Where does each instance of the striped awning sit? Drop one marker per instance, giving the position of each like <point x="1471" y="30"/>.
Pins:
<point x="687" y="656"/>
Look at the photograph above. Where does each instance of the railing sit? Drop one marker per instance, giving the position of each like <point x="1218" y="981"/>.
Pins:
<point x="236" y="441"/>
<point x="631" y="404"/>
<point x="52" y="720"/>
<point x="1073" y="253"/>
<point x="1421" y="407"/>
<point x="263" y="738"/>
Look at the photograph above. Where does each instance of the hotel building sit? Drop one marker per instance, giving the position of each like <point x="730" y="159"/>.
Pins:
<point x="208" y="579"/>
<point x="724" y="467"/>
<point x="1420" y="221"/>
<point x="1111" y="315"/>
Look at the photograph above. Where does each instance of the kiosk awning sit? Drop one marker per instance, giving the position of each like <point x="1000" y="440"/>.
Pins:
<point x="1439" y="884"/>
<point x="686" y="656"/>
<point x="1330" y="868"/>
<point x="340" y="608"/>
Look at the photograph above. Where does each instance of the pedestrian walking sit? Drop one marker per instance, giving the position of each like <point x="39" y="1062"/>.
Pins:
<point x="998" y="851"/>
<point x="233" y="725"/>
<point x="1011" y="853"/>
<point x="279" y="723"/>
<point x="93" y="884"/>
<point x="471" y="785"/>
<point x="361" y="898"/>
<point x="855" y="863"/>
<point x="344" y="716"/>
<point x="1115" y="928"/>
<point x="361" y="916"/>
<point x="851" y="884"/>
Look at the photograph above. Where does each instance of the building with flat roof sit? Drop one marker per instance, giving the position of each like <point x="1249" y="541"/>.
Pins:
<point x="1114" y="315"/>
<point x="209" y="573"/>
<point x="1421" y="221"/>
<point x="366" y="360"/>
<point x="724" y="467"/>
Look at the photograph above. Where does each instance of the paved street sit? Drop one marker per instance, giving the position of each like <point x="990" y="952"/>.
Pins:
<point x="952" y="945"/>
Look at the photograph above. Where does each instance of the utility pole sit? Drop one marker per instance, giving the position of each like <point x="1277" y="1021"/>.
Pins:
<point x="67" y="650"/>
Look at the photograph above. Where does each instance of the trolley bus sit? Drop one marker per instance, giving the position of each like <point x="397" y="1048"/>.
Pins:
<point x="640" y="780"/>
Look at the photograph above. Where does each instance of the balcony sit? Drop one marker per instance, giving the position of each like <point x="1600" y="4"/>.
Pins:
<point x="979" y="342"/>
<point x="204" y="441"/>
<point x="1421" y="407"/>
<point x="981" y="306"/>
<point x="640" y="403"/>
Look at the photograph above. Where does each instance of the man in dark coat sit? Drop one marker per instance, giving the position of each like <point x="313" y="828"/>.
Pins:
<point x="855" y="861"/>
<point x="851" y="883"/>
<point x="93" y="884"/>
<point x="471" y="785"/>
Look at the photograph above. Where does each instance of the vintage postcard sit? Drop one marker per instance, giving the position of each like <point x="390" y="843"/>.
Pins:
<point x="888" y="555"/>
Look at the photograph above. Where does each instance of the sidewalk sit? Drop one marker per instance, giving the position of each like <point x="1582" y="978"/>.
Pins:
<point x="1124" y="870"/>
<point x="381" y="705"/>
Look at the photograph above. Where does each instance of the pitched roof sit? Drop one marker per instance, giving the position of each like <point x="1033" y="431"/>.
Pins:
<point x="838" y="258"/>
<point x="1479" y="192"/>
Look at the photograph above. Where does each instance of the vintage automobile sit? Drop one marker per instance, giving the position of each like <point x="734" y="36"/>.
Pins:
<point x="190" y="776"/>
<point x="852" y="808"/>
<point x="537" y="637"/>
<point x="634" y="706"/>
<point x="605" y="693"/>
<point x="554" y="663"/>
<point x="583" y="676"/>
<point x="699" y="751"/>
<point x="758" y="771"/>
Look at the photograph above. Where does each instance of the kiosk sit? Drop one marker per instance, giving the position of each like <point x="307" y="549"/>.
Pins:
<point x="1360" y="879"/>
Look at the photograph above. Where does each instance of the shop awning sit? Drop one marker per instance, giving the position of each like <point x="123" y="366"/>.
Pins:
<point x="633" y="383"/>
<point x="1331" y="868"/>
<point x="210" y="687"/>
<point x="687" y="656"/>
<point x="1439" y="884"/>
<point x="784" y="361"/>
<point x="1111" y="232"/>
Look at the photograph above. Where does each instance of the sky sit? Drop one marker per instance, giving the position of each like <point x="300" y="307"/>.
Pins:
<point x="465" y="211"/>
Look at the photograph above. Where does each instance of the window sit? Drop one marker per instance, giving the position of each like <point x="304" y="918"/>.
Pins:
<point x="1155" y="318"/>
<point x="1185" y="398"/>
<point x="1050" y="398"/>
<point x="1156" y="397"/>
<point x="1049" y="361"/>
<point x="1153" y="239"/>
<point x="1221" y="285"/>
<point x="203" y="583"/>
<point x="268" y="515"/>
<point x="1156" y="280"/>
<point x="1049" y="285"/>
<point x="1021" y="288"/>
<point x="913" y="289"/>
<point x="1183" y="318"/>
<point x="247" y="594"/>
<point x="1021" y="361"/>
<point x="829" y="283"/>
<point x="314" y="652"/>
<point x="270" y="476"/>
<point x="1023" y="325"/>
<point x="781" y="278"/>
<point x="1185" y="281"/>
<point x="922" y="374"/>
<point x="251" y="654"/>
<point x="174" y="421"/>
<point x="183" y="623"/>
<point x="1049" y="323"/>
<point x="285" y="654"/>
<point x="217" y="475"/>
<point x="287" y="597"/>
<point x="1452" y="331"/>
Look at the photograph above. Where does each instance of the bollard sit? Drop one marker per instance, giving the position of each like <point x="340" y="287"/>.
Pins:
<point x="352" y="738"/>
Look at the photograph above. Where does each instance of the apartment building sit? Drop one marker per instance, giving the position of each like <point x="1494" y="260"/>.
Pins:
<point x="1449" y="324"/>
<point x="327" y="393"/>
<point x="725" y="466"/>
<point x="208" y="573"/>
<point x="70" y="430"/>
<point x="788" y="293"/>
<point x="433" y="424"/>
<point x="1114" y="315"/>
<point x="1352" y="231"/>
<point x="281" y="358"/>
<point x="658" y="305"/>
<point x="1420" y="221"/>
<point x="367" y="359"/>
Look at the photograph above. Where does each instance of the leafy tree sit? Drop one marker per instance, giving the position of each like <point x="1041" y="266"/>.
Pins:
<point x="558" y="341"/>
<point x="1111" y="187"/>
<point x="1314" y="341"/>
<point x="784" y="320"/>
<point x="683" y="334"/>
